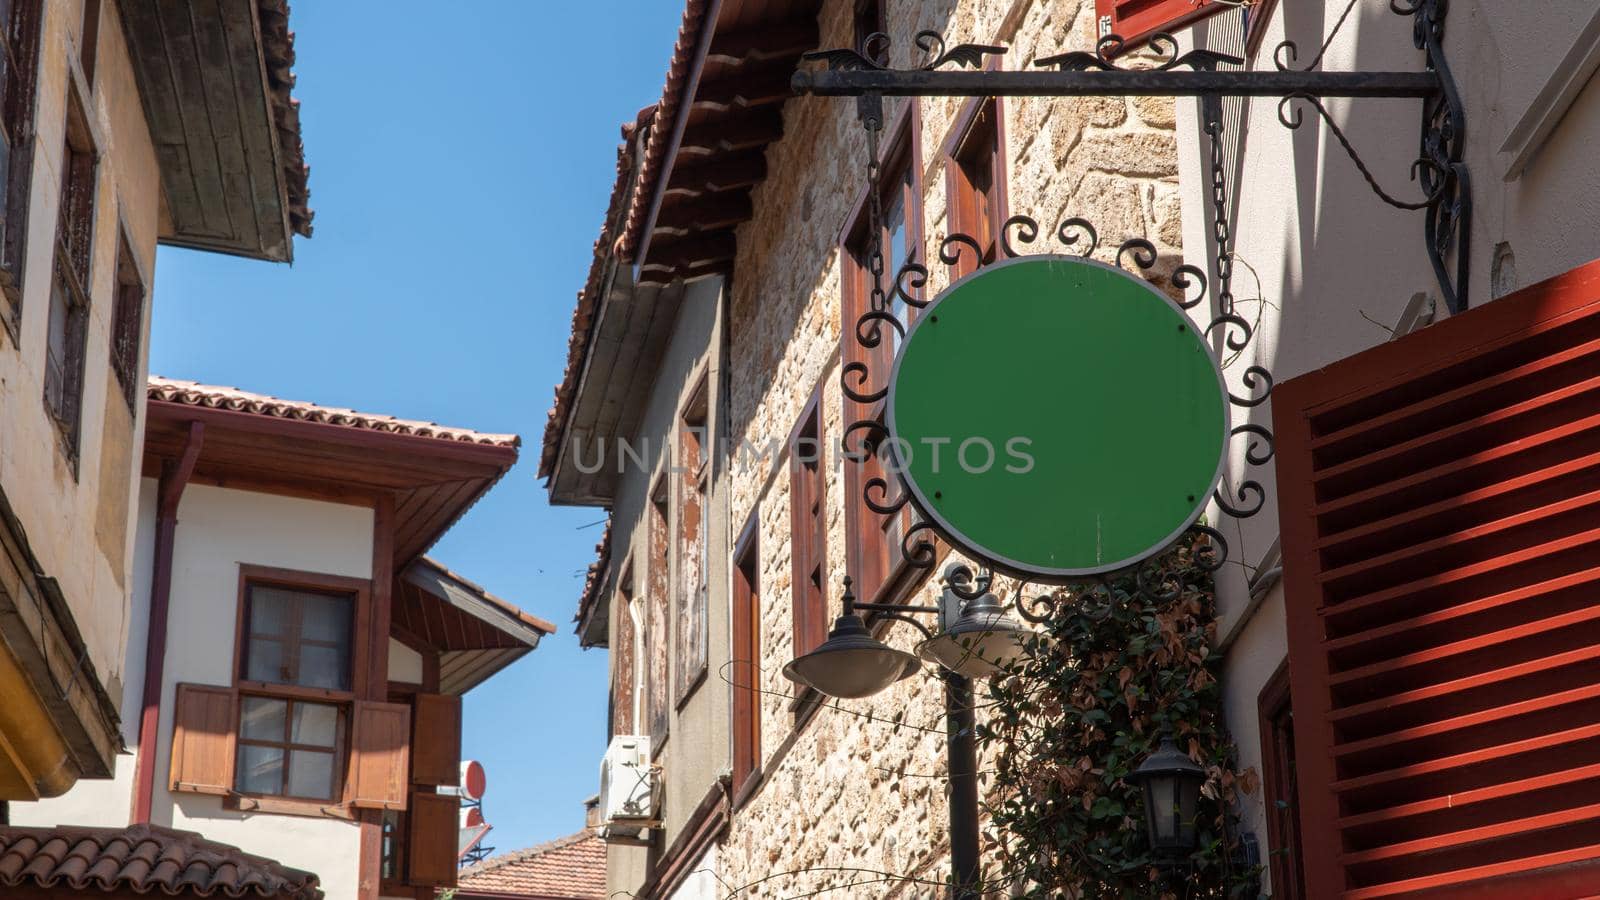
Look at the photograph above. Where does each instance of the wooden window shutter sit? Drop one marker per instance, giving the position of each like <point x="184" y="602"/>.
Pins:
<point x="436" y="740"/>
<point x="1136" y="20"/>
<point x="1440" y="497"/>
<point x="432" y="838"/>
<point x="380" y="739"/>
<point x="204" y="722"/>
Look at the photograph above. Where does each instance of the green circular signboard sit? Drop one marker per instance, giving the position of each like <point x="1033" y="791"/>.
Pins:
<point x="1057" y="416"/>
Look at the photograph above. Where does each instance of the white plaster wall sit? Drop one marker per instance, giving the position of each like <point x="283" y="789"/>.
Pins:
<point x="702" y="882"/>
<point x="218" y="529"/>
<point x="1324" y="265"/>
<point x="405" y="664"/>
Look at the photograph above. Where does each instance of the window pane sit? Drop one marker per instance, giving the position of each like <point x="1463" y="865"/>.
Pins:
<point x="324" y="667"/>
<point x="310" y="774"/>
<point x="262" y="719"/>
<point x="264" y="661"/>
<point x="269" y="610"/>
<point x="325" y="618"/>
<point x="315" y="723"/>
<point x="260" y="770"/>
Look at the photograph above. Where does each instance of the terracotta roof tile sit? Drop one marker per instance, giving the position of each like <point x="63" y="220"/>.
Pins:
<point x="190" y="393"/>
<point x="277" y="44"/>
<point x="570" y="868"/>
<point x="143" y="859"/>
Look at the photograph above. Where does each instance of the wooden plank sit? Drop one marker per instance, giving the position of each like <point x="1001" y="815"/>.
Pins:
<point x="380" y="755"/>
<point x="433" y="832"/>
<point x="205" y="722"/>
<point x="177" y="20"/>
<point x="436" y="740"/>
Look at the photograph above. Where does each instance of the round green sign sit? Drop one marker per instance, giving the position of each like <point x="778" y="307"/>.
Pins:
<point x="1057" y="416"/>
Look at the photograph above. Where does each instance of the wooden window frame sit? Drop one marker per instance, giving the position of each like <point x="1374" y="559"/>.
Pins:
<point x="21" y="39"/>
<point x="624" y="617"/>
<point x="977" y="137"/>
<point x="127" y="318"/>
<point x="808" y="520"/>
<point x="361" y="617"/>
<point x="64" y="378"/>
<point x="339" y="751"/>
<point x="657" y="608"/>
<point x="89" y="39"/>
<point x="879" y="577"/>
<point x="1285" y="858"/>
<point x="694" y="484"/>
<point x="869" y="17"/>
<point x="1151" y="17"/>
<point x="745" y="628"/>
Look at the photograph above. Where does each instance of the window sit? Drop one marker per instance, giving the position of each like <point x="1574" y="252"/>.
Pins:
<point x="19" y="70"/>
<point x="627" y="636"/>
<point x="89" y="38"/>
<point x="694" y="465"/>
<point x="657" y="598"/>
<point x="127" y="323"/>
<point x="975" y="181"/>
<point x="745" y="668"/>
<point x="1283" y="808"/>
<point x="870" y="19"/>
<point x="1136" y="20"/>
<point x="1256" y="18"/>
<point x="875" y="540"/>
<point x="809" y="528"/>
<point x="293" y="640"/>
<point x="69" y="293"/>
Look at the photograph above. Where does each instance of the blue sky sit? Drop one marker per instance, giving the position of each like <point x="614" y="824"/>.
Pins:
<point x="460" y="166"/>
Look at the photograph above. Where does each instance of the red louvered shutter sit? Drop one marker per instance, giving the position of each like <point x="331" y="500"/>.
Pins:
<point x="1440" y="501"/>
<point x="1136" y="20"/>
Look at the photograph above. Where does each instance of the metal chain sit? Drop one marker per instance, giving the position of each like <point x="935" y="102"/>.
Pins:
<point x="1221" y="230"/>
<point x="870" y="108"/>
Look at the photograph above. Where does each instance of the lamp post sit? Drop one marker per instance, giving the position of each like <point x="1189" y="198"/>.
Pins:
<point x="979" y="639"/>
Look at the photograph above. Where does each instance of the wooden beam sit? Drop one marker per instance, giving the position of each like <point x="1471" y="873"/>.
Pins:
<point x="743" y="171"/>
<point x="744" y="132"/>
<point x="747" y="87"/>
<point x="710" y="212"/>
<point x="711" y="247"/>
<point x="784" y="40"/>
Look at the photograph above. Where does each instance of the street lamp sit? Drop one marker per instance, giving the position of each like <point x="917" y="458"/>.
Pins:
<point x="982" y="639"/>
<point x="1171" y="783"/>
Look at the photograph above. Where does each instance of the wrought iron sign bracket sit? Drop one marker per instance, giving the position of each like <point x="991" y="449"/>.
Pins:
<point x="1439" y="168"/>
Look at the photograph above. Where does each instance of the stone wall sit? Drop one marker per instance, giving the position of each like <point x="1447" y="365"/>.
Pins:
<point x="858" y="792"/>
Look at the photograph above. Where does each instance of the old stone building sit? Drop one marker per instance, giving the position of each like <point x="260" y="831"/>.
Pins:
<point x="712" y="334"/>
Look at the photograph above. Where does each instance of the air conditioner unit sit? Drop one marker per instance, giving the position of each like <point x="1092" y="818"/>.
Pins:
<point x="629" y="787"/>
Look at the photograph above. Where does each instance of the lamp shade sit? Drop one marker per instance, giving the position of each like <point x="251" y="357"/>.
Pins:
<point x="1171" y="782"/>
<point x="982" y="641"/>
<point x="851" y="663"/>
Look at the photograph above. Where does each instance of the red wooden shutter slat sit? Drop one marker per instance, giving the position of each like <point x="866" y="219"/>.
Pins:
<point x="436" y="740"/>
<point x="432" y="837"/>
<point x="1136" y="20"/>
<point x="1439" y="508"/>
<point x="380" y="755"/>
<point x="204" y="725"/>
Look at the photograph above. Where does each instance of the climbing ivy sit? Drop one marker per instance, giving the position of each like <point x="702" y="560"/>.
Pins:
<point x="1130" y="660"/>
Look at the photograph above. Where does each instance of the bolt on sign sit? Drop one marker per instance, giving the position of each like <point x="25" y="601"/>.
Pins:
<point x="1057" y="416"/>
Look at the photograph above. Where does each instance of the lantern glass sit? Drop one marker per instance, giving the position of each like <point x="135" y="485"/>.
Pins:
<point x="1171" y="784"/>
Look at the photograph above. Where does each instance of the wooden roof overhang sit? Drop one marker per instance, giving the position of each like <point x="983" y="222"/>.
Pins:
<point x="683" y="187"/>
<point x="433" y="480"/>
<point x="215" y="81"/>
<point x="475" y="633"/>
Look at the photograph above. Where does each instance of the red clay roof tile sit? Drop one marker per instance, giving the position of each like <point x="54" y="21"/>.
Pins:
<point x="569" y="868"/>
<point x="143" y="859"/>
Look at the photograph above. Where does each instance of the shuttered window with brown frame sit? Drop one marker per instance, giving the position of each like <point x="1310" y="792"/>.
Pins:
<point x="21" y="24"/>
<point x="68" y="330"/>
<point x="808" y="513"/>
<point x="436" y="740"/>
<point x="1439" y="507"/>
<point x="1136" y="20"/>
<point x="1285" y="858"/>
<point x="975" y="181"/>
<point x="875" y="539"/>
<point x="378" y="767"/>
<point x="870" y="18"/>
<point x="432" y="826"/>
<point x="624" y="643"/>
<point x="657" y="605"/>
<point x="127" y="323"/>
<point x="745" y="668"/>
<point x="203" y="739"/>
<point x="693" y="613"/>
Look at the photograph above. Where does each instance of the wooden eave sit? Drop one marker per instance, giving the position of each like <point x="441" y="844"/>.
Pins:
<point x="683" y="226"/>
<point x="633" y="327"/>
<point x="433" y="480"/>
<point x="227" y="146"/>
<point x="474" y="633"/>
